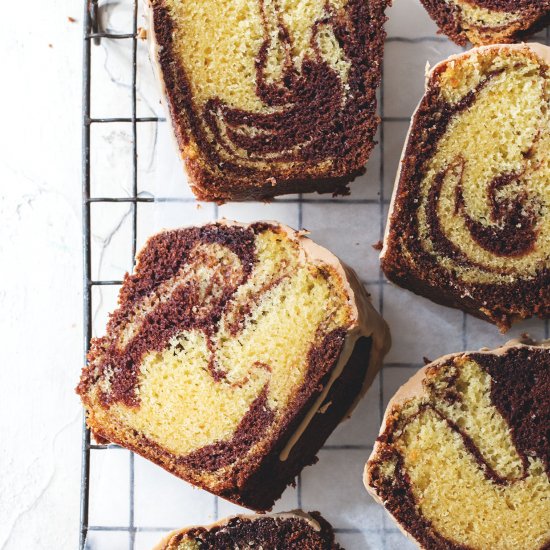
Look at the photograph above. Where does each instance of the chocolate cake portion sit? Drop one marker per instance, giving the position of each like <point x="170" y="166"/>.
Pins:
<point x="228" y="340"/>
<point x="469" y="223"/>
<point x="268" y="97"/>
<point x="463" y="456"/>
<point x="484" y="22"/>
<point x="295" y="530"/>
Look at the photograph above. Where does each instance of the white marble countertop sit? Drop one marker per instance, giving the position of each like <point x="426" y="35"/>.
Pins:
<point x="41" y="283"/>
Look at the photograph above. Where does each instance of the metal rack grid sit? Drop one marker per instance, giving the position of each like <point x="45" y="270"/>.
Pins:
<point x="92" y="35"/>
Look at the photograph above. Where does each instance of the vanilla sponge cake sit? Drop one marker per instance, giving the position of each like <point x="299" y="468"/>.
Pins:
<point x="268" y="97"/>
<point x="488" y="21"/>
<point x="469" y="222"/>
<point x="463" y="456"/>
<point x="228" y="341"/>
<point x="295" y="530"/>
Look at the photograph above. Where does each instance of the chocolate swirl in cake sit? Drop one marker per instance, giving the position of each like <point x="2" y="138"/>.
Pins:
<point x="488" y="21"/>
<point x="310" y="112"/>
<point x="227" y="340"/>
<point x="470" y="223"/>
<point x="169" y="299"/>
<point x="186" y="282"/>
<point x="478" y="424"/>
<point x="512" y="226"/>
<point x="513" y="220"/>
<point x="304" y="102"/>
<point x="296" y="530"/>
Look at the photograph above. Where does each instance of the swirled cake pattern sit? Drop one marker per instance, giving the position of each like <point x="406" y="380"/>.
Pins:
<point x="294" y="530"/>
<point x="463" y="457"/>
<point x="270" y="96"/>
<point x="470" y="220"/>
<point x="227" y="340"/>
<point x="488" y="21"/>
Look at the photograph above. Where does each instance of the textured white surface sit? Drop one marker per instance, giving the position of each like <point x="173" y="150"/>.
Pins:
<point x="40" y="282"/>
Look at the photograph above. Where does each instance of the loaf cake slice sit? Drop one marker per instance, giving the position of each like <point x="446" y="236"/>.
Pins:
<point x="268" y="97"/>
<point x="294" y="530"/>
<point x="469" y="223"/>
<point x="488" y="21"/>
<point x="463" y="456"/>
<point x="228" y="340"/>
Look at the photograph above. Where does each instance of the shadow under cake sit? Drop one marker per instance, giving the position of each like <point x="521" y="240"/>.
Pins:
<point x="488" y="21"/>
<point x="294" y="530"/>
<point x="268" y="98"/>
<point x="462" y="461"/>
<point x="234" y="353"/>
<point x="469" y="222"/>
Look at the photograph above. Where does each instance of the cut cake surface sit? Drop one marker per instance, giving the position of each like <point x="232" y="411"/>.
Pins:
<point x="228" y="340"/>
<point x="268" y="97"/>
<point x="462" y="461"/>
<point x="469" y="222"/>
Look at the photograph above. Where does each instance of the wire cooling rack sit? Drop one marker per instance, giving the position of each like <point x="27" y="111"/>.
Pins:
<point x="133" y="185"/>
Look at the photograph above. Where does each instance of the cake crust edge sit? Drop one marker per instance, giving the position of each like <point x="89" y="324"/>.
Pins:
<point x="315" y="519"/>
<point x="442" y="15"/>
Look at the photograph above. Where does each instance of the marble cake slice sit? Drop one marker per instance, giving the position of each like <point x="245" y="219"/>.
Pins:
<point x="469" y="222"/>
<point x="268" y="97"/>
<point x="462" y="461"/>
<point x="294" y="530"/>
<point x="488" y="21"/>
<point x="228" y="341"/>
